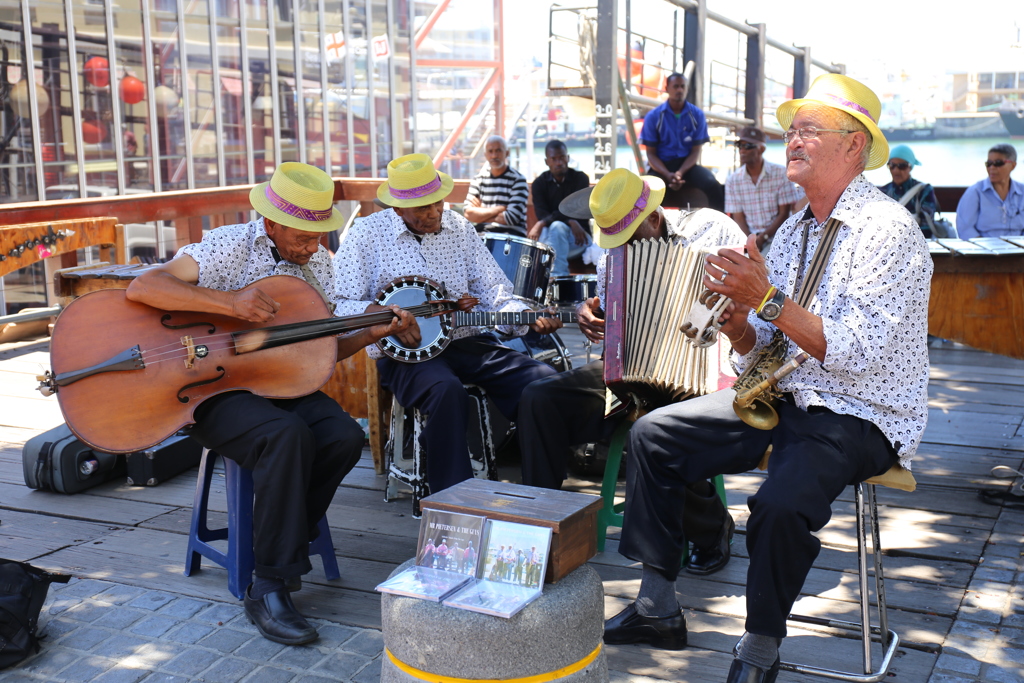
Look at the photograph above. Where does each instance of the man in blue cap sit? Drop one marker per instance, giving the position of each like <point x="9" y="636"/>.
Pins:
<point x="918" y="197"/>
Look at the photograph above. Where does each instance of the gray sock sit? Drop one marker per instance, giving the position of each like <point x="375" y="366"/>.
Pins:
<point x="761" y="651"/>
<point x="657" y="595"/>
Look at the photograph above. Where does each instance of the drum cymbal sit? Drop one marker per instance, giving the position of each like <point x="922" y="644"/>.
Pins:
<point x="577" y="205"/>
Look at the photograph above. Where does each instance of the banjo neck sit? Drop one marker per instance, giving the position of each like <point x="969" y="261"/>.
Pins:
<point x="508" y="318"/>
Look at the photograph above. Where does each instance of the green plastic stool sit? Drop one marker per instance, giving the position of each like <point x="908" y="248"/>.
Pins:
<point x="611" y="513"/>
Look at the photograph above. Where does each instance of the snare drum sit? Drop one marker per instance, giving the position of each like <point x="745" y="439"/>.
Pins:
<point x="573" y="289"/>
<point x="526" y="262"/>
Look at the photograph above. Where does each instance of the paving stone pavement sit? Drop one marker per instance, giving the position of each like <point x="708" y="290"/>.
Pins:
<point x="112" y="633"/>
<point x="986" y="641"/>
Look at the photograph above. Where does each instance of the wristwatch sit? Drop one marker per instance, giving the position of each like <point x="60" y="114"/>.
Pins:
<point x="772" y="308"/>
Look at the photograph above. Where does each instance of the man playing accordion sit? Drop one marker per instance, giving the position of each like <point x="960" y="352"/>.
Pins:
<point x="853" y="410"/>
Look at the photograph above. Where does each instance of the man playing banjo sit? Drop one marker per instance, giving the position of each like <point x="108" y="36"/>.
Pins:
<point x="850" y="412"/>
<point x="418" y="236"/>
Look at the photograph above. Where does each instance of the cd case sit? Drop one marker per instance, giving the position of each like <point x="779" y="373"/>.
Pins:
<point x="511" y="574"/>
<point x="426" y="583"/>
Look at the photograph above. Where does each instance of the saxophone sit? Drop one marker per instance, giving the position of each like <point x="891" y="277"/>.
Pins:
<point x="756" y="388"/>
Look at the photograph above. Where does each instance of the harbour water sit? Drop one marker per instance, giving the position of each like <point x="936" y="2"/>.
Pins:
<point x="954" y="162"/>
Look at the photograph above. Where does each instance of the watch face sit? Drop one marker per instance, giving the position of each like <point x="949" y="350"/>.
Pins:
<point x="770" y="311"/>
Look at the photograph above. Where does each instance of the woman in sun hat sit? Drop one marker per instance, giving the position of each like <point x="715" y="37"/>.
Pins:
<point x="298" y="450"/>
<point x="918" y="197"/>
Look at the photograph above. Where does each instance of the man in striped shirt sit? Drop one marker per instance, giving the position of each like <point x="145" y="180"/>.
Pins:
<point x="498" y="193"/>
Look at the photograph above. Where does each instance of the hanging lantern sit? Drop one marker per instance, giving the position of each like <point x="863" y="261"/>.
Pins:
<point x="20" y="103"/>
<point x="97" y="72"/>
<point x="132" y="90"/>
<point x="93" y="132"/>
<point x="165" y="99"/>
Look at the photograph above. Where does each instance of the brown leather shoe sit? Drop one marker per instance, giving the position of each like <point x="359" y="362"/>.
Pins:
<point x="277" y="619"/>
<point x="628" y="626"/>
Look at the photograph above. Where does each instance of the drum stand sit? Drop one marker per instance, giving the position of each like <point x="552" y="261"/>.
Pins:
<point x="587" y="344"/>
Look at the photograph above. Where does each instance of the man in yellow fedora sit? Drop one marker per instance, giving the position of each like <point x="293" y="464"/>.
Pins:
<point x="847" y="281"/>
<point x="298" y="450"/>
<point x="418" y="236"/>
<point x="567" y="409"/>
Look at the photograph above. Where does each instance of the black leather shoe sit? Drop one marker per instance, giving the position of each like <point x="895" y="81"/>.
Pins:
<point x="704" y="561"/>
<point x="277" y="619"/>
<point x="667" y="633"/>
<point x="741" y="672"/>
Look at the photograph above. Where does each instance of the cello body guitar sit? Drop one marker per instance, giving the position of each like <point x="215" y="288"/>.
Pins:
<point x="128" y="375"/>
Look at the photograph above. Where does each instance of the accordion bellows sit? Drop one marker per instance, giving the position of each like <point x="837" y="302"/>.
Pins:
<point x="651" y="287"/>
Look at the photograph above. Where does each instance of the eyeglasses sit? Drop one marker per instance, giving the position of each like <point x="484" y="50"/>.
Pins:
<point x="809" y="133"/>
<point x="898" y="166"/>
<point x="998" y="163"/>
<point x="746" y="145"/>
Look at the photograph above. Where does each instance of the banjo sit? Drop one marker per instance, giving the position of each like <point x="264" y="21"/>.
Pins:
<point x="436" y="332"/>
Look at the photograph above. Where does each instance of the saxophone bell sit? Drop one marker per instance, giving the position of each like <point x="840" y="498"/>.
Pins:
<point x="755" y="404"/>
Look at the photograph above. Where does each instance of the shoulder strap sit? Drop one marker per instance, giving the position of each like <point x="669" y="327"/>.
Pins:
<point x="816" y="270"/>
<point x="911" y="193"/>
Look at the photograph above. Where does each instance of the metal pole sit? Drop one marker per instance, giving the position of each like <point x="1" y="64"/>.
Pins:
<point x="397" y="147"/>
<point x="605" y="90"/>
<point x="275" y="90"/>
<point x="300" y="87"/>
<point x="371" y="86"/>
<point x="754" y="89"/>
<point x="325" y="114"/>
<point x="413" y="100"/>
<point x="76" y="93"/>
<point x="802" y="73"/>
<point x="33" y="100"/>
<point x="218" y="103"/>
<point x="349" y="86"/>
<point x="243" y="42"/>
<point x="115" y="101"/>
<point x="185" y="96"/>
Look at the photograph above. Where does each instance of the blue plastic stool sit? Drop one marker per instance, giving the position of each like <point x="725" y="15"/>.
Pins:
<point x="239" y="560"/>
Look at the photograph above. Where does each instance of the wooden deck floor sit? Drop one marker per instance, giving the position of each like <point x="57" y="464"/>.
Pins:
<point x="934" y="537"/>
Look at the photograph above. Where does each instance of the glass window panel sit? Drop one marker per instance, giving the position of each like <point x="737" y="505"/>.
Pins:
<point x="360" y="103"/>
<point x="1006" y="81"/>
<point x="402" y="84"/>
<point x="287" y="103"/>
<point x="202" y="94"/>
<point x="229" y="51"/>
<point x="167" y="91"/>
<point x="380" y="43"/>
<point x="134" y="93"/>
<point x="985" y="81"/>
<point x="258" y="45"/>
<point x="313" y="97"/>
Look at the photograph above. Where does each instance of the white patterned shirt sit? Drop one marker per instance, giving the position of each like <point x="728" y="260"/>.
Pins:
<point x="873" y="302"/>
<point x="380" y="248"/>
<point x="234" y="256"/>
<point x="759" y="202"/>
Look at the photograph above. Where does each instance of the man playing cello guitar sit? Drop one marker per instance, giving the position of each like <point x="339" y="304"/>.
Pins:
<point x="300" y="449"/>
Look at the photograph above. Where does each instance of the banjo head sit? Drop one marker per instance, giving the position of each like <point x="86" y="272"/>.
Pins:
<point x="435" y="332"/>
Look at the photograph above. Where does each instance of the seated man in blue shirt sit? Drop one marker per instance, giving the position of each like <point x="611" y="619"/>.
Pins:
<point x="995" y="206"/>
<point x="672" y="136"/>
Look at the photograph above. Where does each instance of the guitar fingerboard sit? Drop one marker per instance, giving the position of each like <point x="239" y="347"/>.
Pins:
<point x="495" y="318"/>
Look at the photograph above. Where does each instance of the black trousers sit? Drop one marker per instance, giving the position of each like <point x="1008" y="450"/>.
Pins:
<point x="298" y="450"/>
<point x="698" y="177"/>
<point x="815" y="455"/>
<point x="435" y="388"/>
<point x="567" y="409"/>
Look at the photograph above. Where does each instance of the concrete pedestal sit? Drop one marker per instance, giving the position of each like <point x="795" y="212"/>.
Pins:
<point x="557" y="630"/>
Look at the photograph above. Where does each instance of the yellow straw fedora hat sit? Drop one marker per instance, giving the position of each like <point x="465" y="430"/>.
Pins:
<point x="620" y="202"/>
<point x="843" y="93"/>
<point x="413" y="181"/>
<point x="299" y="196"/>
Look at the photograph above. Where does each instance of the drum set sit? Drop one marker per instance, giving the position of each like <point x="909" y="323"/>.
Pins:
<point x="527" y="264"/>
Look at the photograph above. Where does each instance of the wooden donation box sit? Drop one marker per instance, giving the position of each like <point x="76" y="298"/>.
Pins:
<point x="572" y="517"/>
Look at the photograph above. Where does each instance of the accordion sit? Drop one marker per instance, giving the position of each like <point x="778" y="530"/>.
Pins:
<point x="651" y="287"/>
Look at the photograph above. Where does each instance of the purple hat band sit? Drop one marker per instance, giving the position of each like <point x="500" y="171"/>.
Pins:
<point x="297" y="211"/>
<point x="417" y="192"/>
<point x="637" y="209"/>
<point x="852" y="105"/>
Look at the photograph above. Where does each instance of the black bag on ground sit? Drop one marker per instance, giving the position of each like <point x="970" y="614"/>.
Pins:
<point x="168" y="458"/>
<point x="57" y="461"/>
<point x="22" y="594"/>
